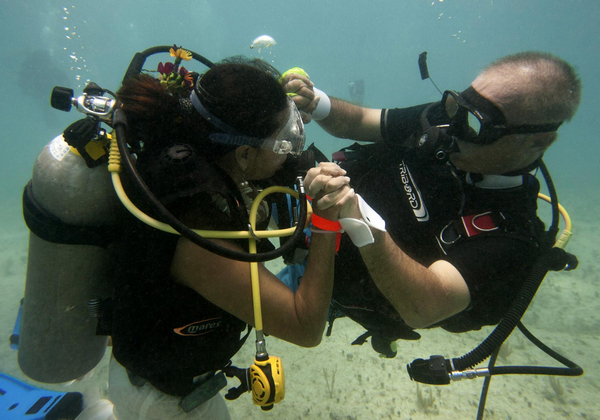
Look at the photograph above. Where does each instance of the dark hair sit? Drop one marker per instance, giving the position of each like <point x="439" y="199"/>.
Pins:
<point x="242" y="93"/>
<point x="245" y="96"/>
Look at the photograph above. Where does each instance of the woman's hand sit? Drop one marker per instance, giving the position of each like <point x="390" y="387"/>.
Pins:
<point x="330" y="191"/>
<point x="304" y="97"/>
<point x="298" y="317"/>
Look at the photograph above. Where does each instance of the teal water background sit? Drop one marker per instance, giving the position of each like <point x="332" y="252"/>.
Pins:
<point x="47" y="43"/>
<point x="334" y="41"/>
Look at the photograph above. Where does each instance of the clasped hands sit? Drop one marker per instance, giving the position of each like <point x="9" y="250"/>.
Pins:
<point x="332" y="197"/>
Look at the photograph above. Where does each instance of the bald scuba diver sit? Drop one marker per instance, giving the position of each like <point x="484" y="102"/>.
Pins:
<point x="454" y="181"/>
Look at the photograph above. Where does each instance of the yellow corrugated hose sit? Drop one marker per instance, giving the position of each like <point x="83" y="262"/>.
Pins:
<point x="567" y="233"/>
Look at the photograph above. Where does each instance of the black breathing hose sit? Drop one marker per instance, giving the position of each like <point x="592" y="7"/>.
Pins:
<point x="553" y="229"/>
<point x="549" y="260"/>
<point x="435" y="370"/>
<point x="120" y="124"/>
<point x="572" y="368"/>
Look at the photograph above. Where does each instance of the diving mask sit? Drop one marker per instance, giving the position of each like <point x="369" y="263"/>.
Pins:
<point x="475" y="119"/>
<point x="289" y="140"/>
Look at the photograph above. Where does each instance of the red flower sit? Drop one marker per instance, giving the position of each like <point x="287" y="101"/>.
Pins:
<point x="166" y="68"/>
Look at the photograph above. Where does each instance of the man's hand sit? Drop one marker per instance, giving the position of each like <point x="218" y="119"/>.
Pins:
<point x="329" y="189"/>
<point x="304" y="97"/>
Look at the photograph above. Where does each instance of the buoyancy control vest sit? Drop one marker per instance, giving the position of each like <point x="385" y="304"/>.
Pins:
<point x="164" y="332"/>
<point x="434" y="212"/>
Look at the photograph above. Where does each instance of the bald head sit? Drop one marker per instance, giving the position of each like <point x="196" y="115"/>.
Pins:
<point x="531" y="88"/>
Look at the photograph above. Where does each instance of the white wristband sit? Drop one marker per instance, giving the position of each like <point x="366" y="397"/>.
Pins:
<point x="324" y="106"/>
<point x="360" y="230"/>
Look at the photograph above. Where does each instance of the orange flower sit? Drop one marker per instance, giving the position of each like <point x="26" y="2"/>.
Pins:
<point x="188" y="80"/>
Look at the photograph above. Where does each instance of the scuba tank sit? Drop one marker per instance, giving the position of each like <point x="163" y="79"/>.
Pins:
<point x="68" y="207"/>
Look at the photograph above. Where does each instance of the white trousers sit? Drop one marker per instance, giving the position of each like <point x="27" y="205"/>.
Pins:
<point x="148" y="403"/>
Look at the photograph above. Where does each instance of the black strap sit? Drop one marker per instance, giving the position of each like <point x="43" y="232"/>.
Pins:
<point x="204" y="392"/>
<point x="50" y="228"/>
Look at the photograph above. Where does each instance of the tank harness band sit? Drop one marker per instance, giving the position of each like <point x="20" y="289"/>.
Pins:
<point x="50" y="228"/>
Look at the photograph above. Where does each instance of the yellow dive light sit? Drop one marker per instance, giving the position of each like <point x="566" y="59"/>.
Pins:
<point x="296" y="70"/>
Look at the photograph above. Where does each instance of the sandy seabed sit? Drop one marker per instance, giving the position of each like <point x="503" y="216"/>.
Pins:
<point x="342" y="382"/>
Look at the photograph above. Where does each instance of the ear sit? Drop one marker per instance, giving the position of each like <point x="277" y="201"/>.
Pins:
<point x="245" y="157"/>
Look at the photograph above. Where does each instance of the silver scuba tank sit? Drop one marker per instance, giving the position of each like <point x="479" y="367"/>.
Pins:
<point x="57" y="341"/>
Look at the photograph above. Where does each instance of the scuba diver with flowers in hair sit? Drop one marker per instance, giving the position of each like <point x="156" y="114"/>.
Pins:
<point x="180" y="312"/>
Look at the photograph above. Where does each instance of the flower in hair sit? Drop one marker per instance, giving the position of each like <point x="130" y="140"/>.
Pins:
<point x="188" y="80"/>
<point x="165" y="69"/>
<point x="180" y="53"/>
<point x="176" y="80"/>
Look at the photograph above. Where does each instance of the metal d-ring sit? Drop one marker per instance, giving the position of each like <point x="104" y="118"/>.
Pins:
<point x="441" y="235"/>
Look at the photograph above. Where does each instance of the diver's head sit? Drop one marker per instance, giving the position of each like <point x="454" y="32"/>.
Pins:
<point x="250" y="115"/>
<point x="531" y="88"/>
<point x="244" y="95"/>
<point x="246" y="98"/>
<point x="509" y="116"/>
